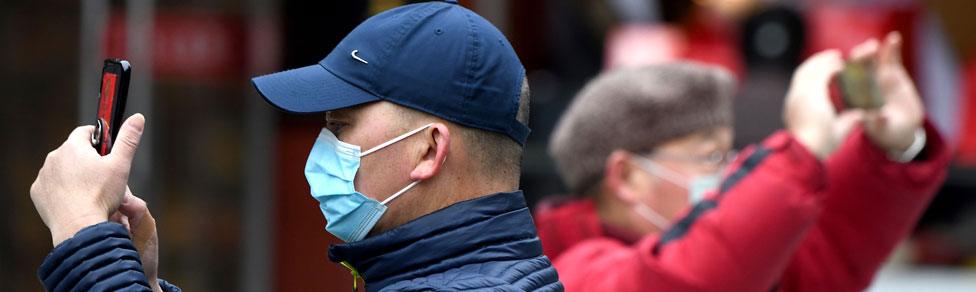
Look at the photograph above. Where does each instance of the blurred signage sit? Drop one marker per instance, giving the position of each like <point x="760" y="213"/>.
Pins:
<point x="845" y="26"/>
<point x="187" y="45"/>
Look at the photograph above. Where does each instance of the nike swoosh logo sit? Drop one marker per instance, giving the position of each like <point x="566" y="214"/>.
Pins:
<point x="354" y="56"/>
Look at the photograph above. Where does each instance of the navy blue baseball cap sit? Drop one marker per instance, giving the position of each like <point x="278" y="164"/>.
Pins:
<point x="435" y="57"/>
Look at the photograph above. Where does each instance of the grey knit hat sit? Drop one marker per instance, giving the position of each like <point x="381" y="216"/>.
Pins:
<point x="637" y="109"/>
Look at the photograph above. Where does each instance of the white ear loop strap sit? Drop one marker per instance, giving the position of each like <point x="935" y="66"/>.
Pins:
<point x="404" y="190"/>
<point x="661" y="171"/>
<point x="388" y="143"/>
<point x="652" y="216"/>
<point x="394" y="140"/>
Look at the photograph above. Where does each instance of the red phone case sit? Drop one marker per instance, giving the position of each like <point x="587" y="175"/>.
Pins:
<point x="111" y="104"/>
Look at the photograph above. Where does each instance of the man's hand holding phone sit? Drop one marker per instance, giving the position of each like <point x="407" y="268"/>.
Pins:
<point x="877" y="92"/>
<point x="808" y="113"/>
<point x="76" y="187"/>
<point x="894" y="125"/>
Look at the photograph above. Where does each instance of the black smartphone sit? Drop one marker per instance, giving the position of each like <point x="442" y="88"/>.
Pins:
<point x="111" y="104"/>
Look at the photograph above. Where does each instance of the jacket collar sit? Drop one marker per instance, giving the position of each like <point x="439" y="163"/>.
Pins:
<point x="462" y="233"/>
<point x="565" y="221"/>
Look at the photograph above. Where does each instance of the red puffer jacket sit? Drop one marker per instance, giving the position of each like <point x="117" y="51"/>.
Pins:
<point x="781" y="221"/>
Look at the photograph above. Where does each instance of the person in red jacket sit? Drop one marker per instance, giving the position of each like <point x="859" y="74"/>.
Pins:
<point x="817" y="206"/>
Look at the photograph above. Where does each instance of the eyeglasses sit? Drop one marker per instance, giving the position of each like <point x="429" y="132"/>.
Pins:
<point x="714" y="159"/>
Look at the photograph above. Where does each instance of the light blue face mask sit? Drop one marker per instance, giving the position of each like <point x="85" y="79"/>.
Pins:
<point x="331" y="170"/>
<point x="697" y="188"/>
<point x="701" y="185"/>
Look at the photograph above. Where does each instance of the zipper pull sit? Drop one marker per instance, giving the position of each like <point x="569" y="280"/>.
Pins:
<point x="355" y="275"/>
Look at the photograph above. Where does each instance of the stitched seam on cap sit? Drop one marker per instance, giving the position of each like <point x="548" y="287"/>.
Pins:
<point x="401" y="33"/>
<point x="470" y="62"/>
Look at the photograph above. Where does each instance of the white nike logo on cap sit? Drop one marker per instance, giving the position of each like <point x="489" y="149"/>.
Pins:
<point x="354" y="56"/>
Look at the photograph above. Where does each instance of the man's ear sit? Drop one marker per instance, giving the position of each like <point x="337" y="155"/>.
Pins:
<point x="437" y="142"/>
<point x="619" y="174"/>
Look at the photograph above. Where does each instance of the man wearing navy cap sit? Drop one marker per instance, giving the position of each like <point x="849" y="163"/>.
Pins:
<point x="417" y="170"/>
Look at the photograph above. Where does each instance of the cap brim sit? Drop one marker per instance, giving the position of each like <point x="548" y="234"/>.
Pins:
<point x="310" y="89"/>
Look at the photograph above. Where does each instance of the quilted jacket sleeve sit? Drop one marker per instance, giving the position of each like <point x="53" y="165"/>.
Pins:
<point x="100" y="257"/>
<point x="871" y="203"/>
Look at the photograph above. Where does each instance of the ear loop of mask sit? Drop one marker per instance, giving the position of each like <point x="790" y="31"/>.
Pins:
<point x="652" y="216"/>
<point x="388" y="143"/>
<point x="394" y="140"/>
<point x="404" y="190"/>
<point x="663" y="172"/>
<point x="645" y="211"/>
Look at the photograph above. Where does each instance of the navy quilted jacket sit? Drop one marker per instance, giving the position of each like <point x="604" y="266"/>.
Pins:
<point x="487" y="244"/>
<point x="100" y="257"/>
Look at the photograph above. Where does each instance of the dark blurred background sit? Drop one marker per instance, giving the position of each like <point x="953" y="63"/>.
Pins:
<point x="222" y="171"/>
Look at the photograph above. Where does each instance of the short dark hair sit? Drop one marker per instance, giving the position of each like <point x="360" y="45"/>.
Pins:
<point x="498" y="156"/>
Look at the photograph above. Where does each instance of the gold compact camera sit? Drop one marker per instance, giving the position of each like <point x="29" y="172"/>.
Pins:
<point x="858" y="86"/>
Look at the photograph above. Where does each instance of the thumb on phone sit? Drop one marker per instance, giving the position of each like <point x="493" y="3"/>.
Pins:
<point x="128" y="140"/>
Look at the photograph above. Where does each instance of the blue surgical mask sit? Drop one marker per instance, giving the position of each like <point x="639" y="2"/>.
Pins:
<point x="701" y="185"/>
<point x="331" y="170"/>
<point x="697" y="188"/>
